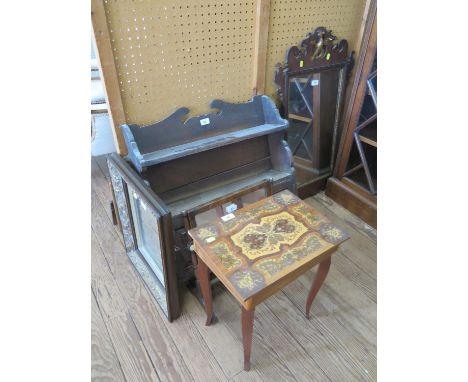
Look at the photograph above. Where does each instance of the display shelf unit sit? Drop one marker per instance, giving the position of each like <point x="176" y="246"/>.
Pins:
<point x="311" y="86"/>
<point x="354" y="181"/>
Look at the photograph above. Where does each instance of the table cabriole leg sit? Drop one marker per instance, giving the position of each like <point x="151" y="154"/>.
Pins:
<point x="247" y="331"/>
<point x="322" y="272"/>
<point x="204" y="281"/>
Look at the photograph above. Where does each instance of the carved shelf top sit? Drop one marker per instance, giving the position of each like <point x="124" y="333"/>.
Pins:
<point x="173" y="137"/>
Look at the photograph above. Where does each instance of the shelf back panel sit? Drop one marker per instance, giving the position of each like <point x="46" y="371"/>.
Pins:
<point x="170" y="54"/>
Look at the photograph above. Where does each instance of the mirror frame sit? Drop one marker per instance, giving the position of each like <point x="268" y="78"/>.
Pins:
<point x="165" y="293"/>
<point x="317" y="53"/>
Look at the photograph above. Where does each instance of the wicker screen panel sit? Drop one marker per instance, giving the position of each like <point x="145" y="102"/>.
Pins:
<point x="291" y="20"/>
<point x="176" y="53"/>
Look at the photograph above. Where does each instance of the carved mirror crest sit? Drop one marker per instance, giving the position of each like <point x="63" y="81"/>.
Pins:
<point x="311" y="86"/>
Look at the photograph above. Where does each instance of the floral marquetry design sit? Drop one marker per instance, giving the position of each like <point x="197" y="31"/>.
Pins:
<point x="313" y="218"/>
<point x="117" y="185"/>
<point x="269" y="207"/>
<point x="255" y="240"/>
<point x="275" y="265"/>
<point x="332" y="233"/>
<point x="264" y="242"/>
<point x="286" y="198"/>
<point x="266" y="237"/>
<point x="207" y="232"/>
<point x="247" y="281"/>
<point x="227" y="259"/>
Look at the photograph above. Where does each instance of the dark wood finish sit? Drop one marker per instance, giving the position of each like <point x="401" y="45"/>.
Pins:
<point x="343" y="194"/>
<point x="191" y="195"/>
<point x="114" y="216"/>
<point x="322" y="272"/>
<point x="368" y="133"/>
<point x="171" y="138"/>
<point x="114" y="212"/>
<point x="198" y="164"/>
<point x="312" y="187"/>
<point x="247" y="322"/>
<point x="166" y="238"/>
<point x="353" y="184"/>
<point x="173" y="131"/>
<point x="316" y="52"/>
<point x="179" y="172"/>
<point x="319" y="66"/>
<point x="328" y="116"/>
<point x="366" y="58"/>
<point x="266" y="184"/>
<point x="204" y="280"/>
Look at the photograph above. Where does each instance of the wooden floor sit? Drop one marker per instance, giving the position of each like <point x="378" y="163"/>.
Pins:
<point x="132" y="341"/>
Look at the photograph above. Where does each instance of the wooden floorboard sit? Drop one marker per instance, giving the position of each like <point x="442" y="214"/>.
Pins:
<point x="276" y="352"/>
<point x="347" y="216"/>
<point x="359" y="248"/>
<point x="105" y="365"/>
<point x="130" y="350"/>
<point x="349" y="347"/>
<point x="150" y="322"/>
<point x="132" y="340"/>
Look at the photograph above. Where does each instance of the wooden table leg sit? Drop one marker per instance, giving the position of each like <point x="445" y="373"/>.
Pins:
<point x="204" y="280"/>
<point x="322" y="272"/>
<point x="247" y="331"/>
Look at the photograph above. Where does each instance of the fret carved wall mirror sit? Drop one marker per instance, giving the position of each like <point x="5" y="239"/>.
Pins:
<point x="311" y="87"/>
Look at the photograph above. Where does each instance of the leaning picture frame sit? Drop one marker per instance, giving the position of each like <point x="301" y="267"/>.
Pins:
<point x="146" y="225"/>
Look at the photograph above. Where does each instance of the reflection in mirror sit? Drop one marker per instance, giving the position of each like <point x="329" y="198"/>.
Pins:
<point x="147" y="233"/>
<point x="226" y="208"/>
<point x="311" y="107"/>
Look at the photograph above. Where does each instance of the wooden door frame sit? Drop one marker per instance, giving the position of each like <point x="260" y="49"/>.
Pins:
<point x="369" y="43"/>
<point x="108" y="73"/>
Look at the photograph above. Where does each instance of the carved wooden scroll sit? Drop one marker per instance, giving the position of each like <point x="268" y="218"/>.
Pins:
<point x="174" y="137"/>
<point x="318" y="50"/>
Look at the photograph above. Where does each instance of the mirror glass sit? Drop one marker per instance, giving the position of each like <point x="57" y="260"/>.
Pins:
<point x="226" y="208"/>
<point x="147" y="233"/>
<point x="311" y="111"/>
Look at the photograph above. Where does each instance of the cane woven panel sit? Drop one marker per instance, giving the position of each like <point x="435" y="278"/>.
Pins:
<point x="170" y="54"/>
<point x="291" y="20"/>
<point x="264" y="242"/>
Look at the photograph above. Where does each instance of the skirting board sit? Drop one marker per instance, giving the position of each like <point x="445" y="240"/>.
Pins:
<point x="311" y="188"/>
<point x="352" y="201"/>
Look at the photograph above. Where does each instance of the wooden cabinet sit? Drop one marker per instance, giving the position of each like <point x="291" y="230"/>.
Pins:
<point x="180" y="173"/>
<point x="311" y="87"/>
<point x="354" y="181"/>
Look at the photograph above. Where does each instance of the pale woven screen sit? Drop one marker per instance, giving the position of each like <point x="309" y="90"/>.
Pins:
<point x="291" y="20"/>
<point x="176" y="53"/>
<point x="170" y="54"/>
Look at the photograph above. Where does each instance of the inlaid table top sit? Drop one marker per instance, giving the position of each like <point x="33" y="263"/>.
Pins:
<point x="259" y="245"/>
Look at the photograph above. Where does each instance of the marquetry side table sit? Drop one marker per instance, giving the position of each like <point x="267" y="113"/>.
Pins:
<point x="261" y="248"/>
